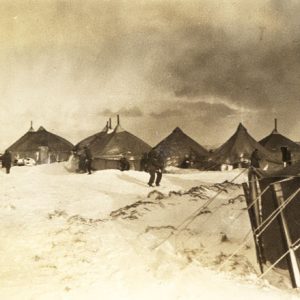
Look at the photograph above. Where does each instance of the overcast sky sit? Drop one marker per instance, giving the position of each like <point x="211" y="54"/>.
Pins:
<point x="202" y="65"/>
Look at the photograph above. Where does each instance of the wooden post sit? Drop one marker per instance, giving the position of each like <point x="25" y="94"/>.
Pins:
<point x="254" y="192"/>
<point x="292" y="260"/>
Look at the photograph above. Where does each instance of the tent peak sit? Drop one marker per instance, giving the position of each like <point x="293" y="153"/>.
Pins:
<point x="177" y="129"/>
<point x="41" y="128"/>
<point x="31" y="127"/>
<point x="241" y="127"/>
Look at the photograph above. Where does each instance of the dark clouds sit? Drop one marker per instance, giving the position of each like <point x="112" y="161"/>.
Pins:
<point x="198" y="109"/>
<point x="188" y="62"/>
<point x="258" y="73"/>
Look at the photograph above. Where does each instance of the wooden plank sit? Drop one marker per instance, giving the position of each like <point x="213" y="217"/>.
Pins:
<point x="257" y="240"/>
<point x="292" y="260"/>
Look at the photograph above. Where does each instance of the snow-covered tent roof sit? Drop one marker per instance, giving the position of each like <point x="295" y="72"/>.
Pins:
<point x="120" y="142"/>
<point x="178" y="144"/>
<point x="32" y="140"/>
<point x="274" y="141"/>
<point x="240" y="145"/>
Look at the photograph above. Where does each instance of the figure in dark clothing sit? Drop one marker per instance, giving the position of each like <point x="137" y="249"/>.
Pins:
<point x="144" y="162"/>
<point x="124" y="164"/>
<point x="255" y="159"/>
<point x="286" y="156"/>
<point x="81" y="162"/>
<point x="6" y="161"/>
<point x="155" y="167"/>
<point x="88" y="160"/>
<point x="186" y="163"/>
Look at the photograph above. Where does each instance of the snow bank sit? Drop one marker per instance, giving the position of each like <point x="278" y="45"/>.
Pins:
<point x="79" y="236"/>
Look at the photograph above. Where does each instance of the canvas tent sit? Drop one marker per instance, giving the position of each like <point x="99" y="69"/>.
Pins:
<point x="108" y="146"/>
<point x="274" y="141"/>
<point x="41" y="145"/>
<point x="175" y="146"/>
<point x="116" y="144"/>
<point x="274" y="210"/>
<point x="238" y="148"/>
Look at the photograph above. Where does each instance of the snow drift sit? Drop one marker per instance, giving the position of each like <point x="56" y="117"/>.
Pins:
<point x="108" y="235"/>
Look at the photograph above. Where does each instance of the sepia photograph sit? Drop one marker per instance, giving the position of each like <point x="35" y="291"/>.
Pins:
<point x="149" y="149"/>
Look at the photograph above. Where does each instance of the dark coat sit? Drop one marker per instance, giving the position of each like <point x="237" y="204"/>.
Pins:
<point x="124" y="164"/>
<point x="88" y="154"/>
<point x="286" y="154"/>
<point x="186" y="163"/>
<point x="255" y="158"/>
<point x="155" y="162"/>
<point x="82" y="162"/>
<point x="6" y="160"/>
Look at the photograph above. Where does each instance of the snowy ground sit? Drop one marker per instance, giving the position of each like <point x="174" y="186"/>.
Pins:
<point x="74" y="236"/>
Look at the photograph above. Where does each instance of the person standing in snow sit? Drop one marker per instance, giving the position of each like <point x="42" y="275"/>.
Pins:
<point x="186" y="163"/>
<point x="124" y="164"/>
<point x="255" y="158"/>
<point x="88" y="160"/>
<point x="155" y="167"/>
<point x="6" y="161"/>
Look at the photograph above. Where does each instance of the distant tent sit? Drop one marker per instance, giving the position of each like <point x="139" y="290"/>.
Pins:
<point x="176" y="145"/>
<point x="41" y="145"/>
<point x="108" y="146"/>
<point x="274" y="141"/>
<point x="238" y="149"/>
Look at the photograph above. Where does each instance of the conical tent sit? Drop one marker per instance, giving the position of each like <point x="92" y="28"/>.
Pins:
<point x="41" y="145"/>
<point x="176" y="145"/>
<point x="274" y="141"/>
<point x="116" y="144"/>
<point x="239" y="147"/>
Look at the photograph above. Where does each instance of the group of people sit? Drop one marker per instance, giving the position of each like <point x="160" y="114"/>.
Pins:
<point x="286" y="158"/>
<point x="151" y="162"/>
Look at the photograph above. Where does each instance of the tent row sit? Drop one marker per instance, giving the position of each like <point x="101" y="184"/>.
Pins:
<point x="109" y="145"/>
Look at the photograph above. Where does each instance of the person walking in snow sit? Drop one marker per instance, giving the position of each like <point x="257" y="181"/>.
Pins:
<point x="155" y="167"/>
<point x="6" y="161"/>
<point x="88" y="160"/>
